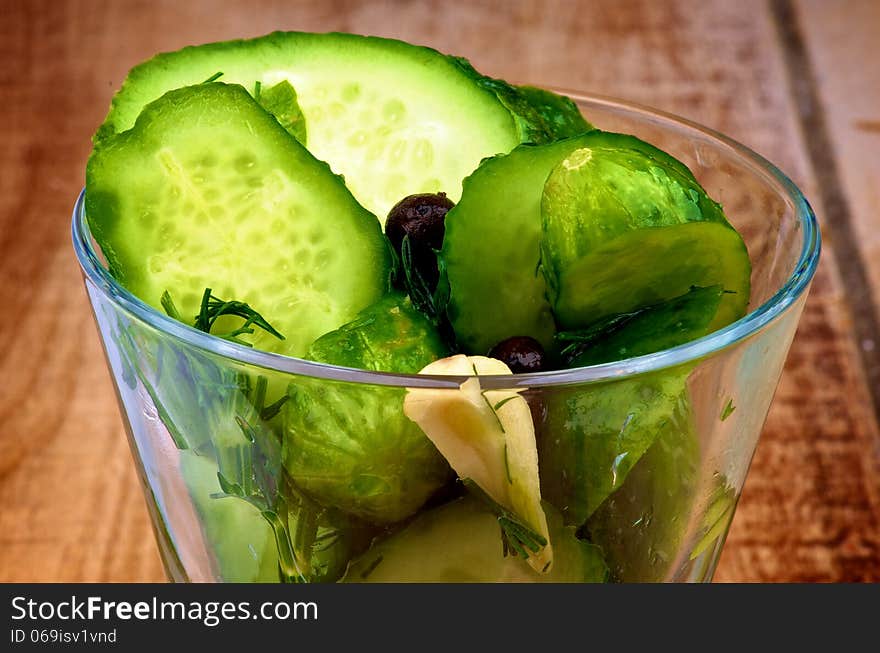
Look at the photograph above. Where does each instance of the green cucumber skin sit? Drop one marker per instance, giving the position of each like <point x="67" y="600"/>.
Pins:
<point x="349" y="445"/>
<point x="395" y="119"/>
<point x="642" y="526"/>
<point x="541" y="115"/>
<point x="559" y="114"/>
<point x="389" y="336"/>
<point x="135" y="216"/>
<point x="618" y="208"/>
<point x="491" y="251"/>
<point x="662" y="326"/>
<point x="593" y="435"/>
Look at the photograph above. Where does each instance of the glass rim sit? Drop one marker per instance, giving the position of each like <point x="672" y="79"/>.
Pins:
<point x="751" y="323"/>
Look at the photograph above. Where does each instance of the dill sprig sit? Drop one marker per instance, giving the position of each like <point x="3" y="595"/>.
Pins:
<point x="420" y="292"/>
<point x="213" y="307"/>
<point x="432" y="302"/>
<point x="517" y="538"/>
<point x="578" y="340"/>
<point x="249" y="468"/>
<point x="250" y="471"/>
<point x="258" y="400"/>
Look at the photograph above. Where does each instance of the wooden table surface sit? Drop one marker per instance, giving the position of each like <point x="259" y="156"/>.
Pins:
<point x="796" y="80"/>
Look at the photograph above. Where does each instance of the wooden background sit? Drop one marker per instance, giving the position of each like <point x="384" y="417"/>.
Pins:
<point x="797" y="80"/>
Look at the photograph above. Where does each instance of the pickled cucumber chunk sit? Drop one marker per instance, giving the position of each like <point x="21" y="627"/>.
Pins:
<point x="624" y="229"/>
<point x="208" y="190"/>
<point x="662" y="326"/>
<point x="641" y="527"/>
<point x="349" y="445"/>
<point x="492" y="251"/>
<point x="460" y="542"/>
<point x="395" y="119"/>
<point x="531" y="246"/>
<point x="594" y="435"/>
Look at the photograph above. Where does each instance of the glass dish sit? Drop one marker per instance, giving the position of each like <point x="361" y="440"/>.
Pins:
<point x="646" y="457"/>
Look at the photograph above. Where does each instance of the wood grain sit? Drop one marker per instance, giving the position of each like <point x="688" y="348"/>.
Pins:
<point x="70" y="505"/>
<point x="846" y="103"/>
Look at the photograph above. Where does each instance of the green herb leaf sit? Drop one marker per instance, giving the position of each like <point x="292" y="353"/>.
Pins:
<point x="431" y="302"/>
<point x="498" y="405"/>
<point x="169" y="307"/>
<point x="213" y="308"/>
<point x="213" y="78"/>
<point x="517" y="538"/>
<point x="584" y="337"/>
<point x="420" y="293"/>
<point x="273" y="409"/>
<point x="728" y="410"/>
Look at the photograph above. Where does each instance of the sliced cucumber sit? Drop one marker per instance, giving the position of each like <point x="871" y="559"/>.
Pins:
<point x="541" y="116"/>
<point x="641" y="527"/>
<point x="460" y="542"/>
<point x="394" y="118"/>
<point x="492" y="246"/>
<point x="651" y="329"/>
<point x="208" y="190"/>
<point x="559" y="114"/>
<point x="593" y="435"/>
<point x="624" y="229"/>
<point x="491" y="251"/>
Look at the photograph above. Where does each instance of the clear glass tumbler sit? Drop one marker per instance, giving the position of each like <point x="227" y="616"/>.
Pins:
<point x="252" y="471"/>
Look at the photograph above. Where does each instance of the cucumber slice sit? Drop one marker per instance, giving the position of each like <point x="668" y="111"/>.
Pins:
<point x="460" y="542"/>
<point x="623" y="230"/>
<point x="351" y="446"/>
<point x="593" y="435"/>
<point x="651" y="329"/>
<point x="394" y="118"/>
<point x="541" y="116"/>
<point x="559" y="114"/>
<point x="641" y="527"/>
<point x="208" y="190"/>
<point x="491" y="251"/>
<point x="492" y="247"/>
